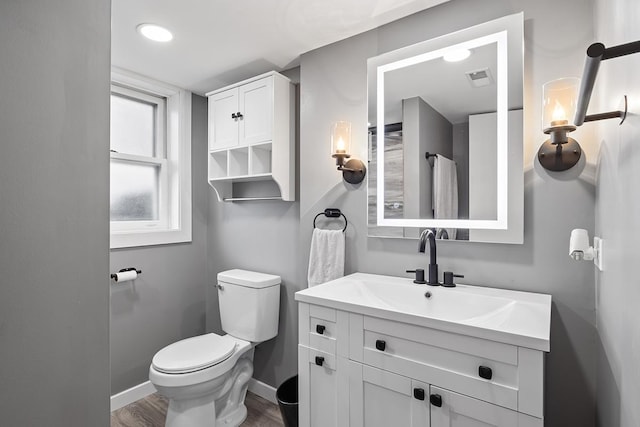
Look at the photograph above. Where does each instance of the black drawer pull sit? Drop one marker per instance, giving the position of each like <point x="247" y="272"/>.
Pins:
<point x="320" y="329"/>
<point x="436" y="400"/>
<point x="418" y="393"/>
<point x="485" y="372"/>
<point x="319" y="360"/>
<point x="381" y="345"/>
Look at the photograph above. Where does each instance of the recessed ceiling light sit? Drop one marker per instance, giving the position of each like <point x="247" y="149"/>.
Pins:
<point x="155" y="32"/>
<point x="456" y="55"/>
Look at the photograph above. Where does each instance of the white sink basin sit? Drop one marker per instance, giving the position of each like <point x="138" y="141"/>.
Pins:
<point x="518" y="318"/>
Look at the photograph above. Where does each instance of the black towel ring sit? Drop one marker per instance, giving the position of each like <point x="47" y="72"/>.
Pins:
<point x="332" y="213"/>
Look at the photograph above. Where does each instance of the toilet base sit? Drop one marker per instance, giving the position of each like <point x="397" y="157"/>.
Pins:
<point x="194" y="413"/>
<point x="234" y="418"/>
<point x="218" y="402"/>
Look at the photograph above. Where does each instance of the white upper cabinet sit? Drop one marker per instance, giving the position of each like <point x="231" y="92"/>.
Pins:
<point x="251" y="138"/>
<point x="223" y="124"/>
<point x="255" y="106"/>
<point x="242" y="115"/>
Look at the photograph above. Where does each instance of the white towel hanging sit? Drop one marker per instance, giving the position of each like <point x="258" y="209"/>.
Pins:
<point x="445" y="191"/>
<point x="326" y="258"/>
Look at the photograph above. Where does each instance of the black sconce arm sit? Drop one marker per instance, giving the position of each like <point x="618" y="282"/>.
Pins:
<point x="596" y="53"/>
<point x="344" y="168"/>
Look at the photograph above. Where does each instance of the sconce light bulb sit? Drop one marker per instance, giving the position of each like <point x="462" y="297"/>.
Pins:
<point x="558" y="115"/>
<point x="340" y="146"/>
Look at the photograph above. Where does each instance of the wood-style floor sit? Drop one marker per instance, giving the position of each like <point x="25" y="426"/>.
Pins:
<point x="151" y="412"/>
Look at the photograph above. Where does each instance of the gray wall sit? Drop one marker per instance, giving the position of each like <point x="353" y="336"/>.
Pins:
<point x="618" y="221"/>
<point x="333" y="87"/>
<point x="167" y="302"/>
<point x="54" y="206"/>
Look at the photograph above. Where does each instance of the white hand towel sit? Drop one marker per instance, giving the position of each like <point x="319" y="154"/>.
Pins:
<point x="326" y="260"/>
<point x="445" y="191"/>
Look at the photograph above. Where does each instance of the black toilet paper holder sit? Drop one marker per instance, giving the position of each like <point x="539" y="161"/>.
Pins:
<point x="114" y="275"/>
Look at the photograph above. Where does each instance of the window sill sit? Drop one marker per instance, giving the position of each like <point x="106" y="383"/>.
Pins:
<point x="132" y="239"/>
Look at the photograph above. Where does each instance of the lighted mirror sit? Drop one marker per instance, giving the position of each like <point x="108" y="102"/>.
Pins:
<point x="445" y="136"/>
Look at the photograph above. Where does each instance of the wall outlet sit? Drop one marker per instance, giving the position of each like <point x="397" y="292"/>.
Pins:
<point x="598" y="259"/>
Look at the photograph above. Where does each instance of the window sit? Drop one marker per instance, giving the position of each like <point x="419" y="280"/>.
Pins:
<point x="150" y="201"/>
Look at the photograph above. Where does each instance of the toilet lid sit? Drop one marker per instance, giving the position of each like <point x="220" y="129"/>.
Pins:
<point x="194" y="354"/>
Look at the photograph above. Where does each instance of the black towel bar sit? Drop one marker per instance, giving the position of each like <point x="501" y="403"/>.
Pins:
<point x="332" y="213"/>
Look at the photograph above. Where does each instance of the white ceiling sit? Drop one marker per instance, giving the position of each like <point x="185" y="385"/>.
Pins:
<point x="219" y="42"/>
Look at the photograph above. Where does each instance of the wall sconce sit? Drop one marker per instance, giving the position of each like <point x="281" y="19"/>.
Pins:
<point x="562" y="101"/>
<point x="559" y="98"/>
<point x="354" y="170"/>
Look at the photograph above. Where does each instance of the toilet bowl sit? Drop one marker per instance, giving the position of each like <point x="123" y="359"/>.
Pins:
<point x="205" y="377"/>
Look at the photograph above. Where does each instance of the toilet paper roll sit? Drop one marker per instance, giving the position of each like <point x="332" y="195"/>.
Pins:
<point x="125" y="276"/>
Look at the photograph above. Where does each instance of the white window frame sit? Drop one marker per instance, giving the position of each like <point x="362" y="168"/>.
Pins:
<point x="173" y="157"/>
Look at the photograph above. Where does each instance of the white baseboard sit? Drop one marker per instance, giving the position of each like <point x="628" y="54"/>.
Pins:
<point x="263" y="390"/>
<point x="143" y="390"/>
<point x="131" y="395"/>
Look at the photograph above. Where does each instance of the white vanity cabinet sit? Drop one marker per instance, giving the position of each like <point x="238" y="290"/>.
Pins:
<point x="360" y="370"/>
<point x="379" y="398"/>
<point x="251" y="137"/>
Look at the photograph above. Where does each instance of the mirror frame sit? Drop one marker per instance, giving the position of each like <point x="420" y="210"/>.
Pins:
<point x="507" y="33"/>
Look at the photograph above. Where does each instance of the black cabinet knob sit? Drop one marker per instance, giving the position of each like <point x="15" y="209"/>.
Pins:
<point x="418" y="393"/>
<point x="381" y="345"/>
<point x="485" y="372"/>
<point x="319" y="360"/>
<point x="239" y="115"/>
<point x="436" y="400"/>
<point x="234" y="116"/>
<point x="320" y="329"/>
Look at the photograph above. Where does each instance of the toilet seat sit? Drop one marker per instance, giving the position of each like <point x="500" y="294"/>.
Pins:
<point x="194" y="354"/>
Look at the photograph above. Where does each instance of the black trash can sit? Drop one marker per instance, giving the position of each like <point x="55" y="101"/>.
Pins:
<point x="287" y="395"/>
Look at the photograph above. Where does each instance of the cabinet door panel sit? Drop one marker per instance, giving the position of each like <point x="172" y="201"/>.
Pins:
<point x="381" y="399"/>
<point x="256" y="106"/>
<point x="322" y="389"/>
<point x="223" y="129"/>
<point x="463" y="411"/>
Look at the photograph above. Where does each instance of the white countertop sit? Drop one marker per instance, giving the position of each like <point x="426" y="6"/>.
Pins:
<point x="511" y="317"/>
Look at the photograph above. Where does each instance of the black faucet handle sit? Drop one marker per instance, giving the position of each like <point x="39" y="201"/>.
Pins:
<point x="419" y="276"/>
<point x="448" y="279"/>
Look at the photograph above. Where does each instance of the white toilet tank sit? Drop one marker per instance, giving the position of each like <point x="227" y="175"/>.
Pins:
<point x="249" y="304"/>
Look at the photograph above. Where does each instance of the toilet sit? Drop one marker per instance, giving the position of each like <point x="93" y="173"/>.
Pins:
<point x="205" y="377"/>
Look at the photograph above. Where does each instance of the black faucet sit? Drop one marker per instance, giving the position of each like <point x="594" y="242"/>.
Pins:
<point x="430" y="235"/>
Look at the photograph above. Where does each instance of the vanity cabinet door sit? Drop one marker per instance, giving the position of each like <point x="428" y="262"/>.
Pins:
<point x="322" y="389"/>
<point x="379" y="398"/>
<point x="223" y="128"/>
<point x="449" y="409"/>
